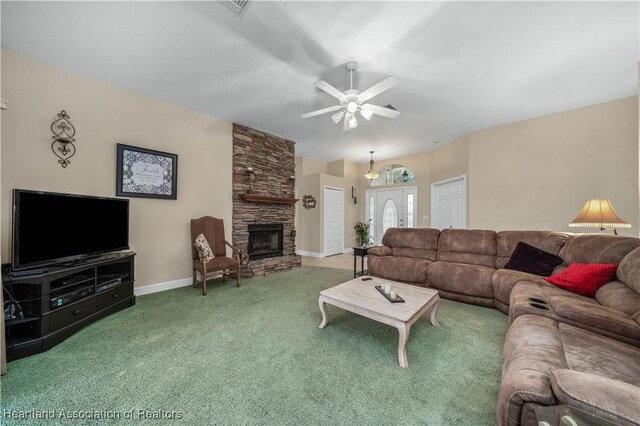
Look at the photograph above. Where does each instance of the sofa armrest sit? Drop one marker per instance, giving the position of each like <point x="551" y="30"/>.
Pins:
<point x="379" y="251"/>
<point x="598" y="395"/>
<point x="595" y="316"/>
<point x="519" y="388"/>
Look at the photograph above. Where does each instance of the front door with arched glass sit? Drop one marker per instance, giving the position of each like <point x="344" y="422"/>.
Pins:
<point x="391" y="208"/>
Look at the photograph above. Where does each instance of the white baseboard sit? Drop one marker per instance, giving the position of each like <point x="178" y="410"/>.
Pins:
<point x="154" y="288"/>
<point x="310" y="254"/>
<point x="347" y="250"/>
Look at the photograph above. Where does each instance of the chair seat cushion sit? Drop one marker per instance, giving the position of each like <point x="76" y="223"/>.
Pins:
<point x="219" y="263"/>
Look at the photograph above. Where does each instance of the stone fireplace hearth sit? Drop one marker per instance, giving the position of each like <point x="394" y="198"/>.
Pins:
<point x="263" y="198"/>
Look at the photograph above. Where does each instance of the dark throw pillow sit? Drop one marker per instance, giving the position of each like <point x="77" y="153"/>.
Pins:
<point x="527" y="258"/>
<point x="584" y="278"/>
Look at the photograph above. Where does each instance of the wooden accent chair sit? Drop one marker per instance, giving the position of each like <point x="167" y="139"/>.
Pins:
<point x="221" y="264"/>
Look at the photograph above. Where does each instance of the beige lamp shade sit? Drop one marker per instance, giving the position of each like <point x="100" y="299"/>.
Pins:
<point x="598" y="214"/>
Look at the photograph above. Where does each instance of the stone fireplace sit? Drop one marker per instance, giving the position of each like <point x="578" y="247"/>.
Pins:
<point x="263" y="198"/>
<point x="265" y="241"/>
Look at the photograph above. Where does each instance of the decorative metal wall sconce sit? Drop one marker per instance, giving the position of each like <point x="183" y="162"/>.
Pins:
<point x="354" y="194"/>
<point x="251" y="174"/>
<point x="309" y="201"/>
<point x="63" y="133"/>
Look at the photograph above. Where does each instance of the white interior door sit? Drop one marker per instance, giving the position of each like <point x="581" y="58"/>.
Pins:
<point x="449" y="203"/>
<point x="391" y="208"/>
<point x="333" y="221"/>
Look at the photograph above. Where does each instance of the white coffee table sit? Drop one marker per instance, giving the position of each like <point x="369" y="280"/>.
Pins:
<point x="362" y="298"/>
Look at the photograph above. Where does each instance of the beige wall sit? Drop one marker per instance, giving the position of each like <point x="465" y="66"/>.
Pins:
<point x="103" y="116"/>
<point x="450" y="160"/>
<point x="310" y="222"/>
<point x="309" y="227"/>
<point x="536" y="174"/>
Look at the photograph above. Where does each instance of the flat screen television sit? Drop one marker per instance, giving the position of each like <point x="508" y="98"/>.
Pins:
<point x="51" y="228"/>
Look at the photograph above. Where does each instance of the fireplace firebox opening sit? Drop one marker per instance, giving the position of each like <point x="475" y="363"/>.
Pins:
<point x="265" y="241"/>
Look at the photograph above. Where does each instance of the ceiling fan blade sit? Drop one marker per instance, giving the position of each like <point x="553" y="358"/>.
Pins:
<point x="376" y="89"/>
<point x="331" y="90"/>
<point x="385" y="112"/>
<point x="345" y="126"/>
<point x="321" y="111"/>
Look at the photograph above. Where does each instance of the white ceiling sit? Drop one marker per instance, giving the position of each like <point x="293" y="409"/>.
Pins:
<point x="462" y="66"/>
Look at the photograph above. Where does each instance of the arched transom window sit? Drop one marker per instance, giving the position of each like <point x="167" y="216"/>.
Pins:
<point x="392" y="174"/>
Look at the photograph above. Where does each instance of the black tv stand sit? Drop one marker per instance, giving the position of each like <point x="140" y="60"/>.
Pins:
<point x="56" y="303"/>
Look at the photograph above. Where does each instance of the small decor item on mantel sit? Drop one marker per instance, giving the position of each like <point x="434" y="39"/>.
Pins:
<point x="309" y="201"/>
<point x="63" y="133"/>
<point x="146" y="173"/>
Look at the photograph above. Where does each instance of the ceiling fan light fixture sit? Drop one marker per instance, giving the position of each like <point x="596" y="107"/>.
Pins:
<point x="351" y="101"/>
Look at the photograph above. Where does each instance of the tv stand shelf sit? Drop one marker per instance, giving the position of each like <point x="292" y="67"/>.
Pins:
<point x="57" y="303"/>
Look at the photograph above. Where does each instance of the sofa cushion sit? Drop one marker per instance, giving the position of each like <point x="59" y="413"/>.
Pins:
<point x="460" y="278"/>
<point x="414" y="252"/>
<point x="629" y="270"/>
<point x="584" y="278"/>
<point x="597" y="248"/>
<point x="418" y="238"/>
<point x="503" y="281"/>
<point x="397" y="268"/>
<point x="600" y="396"/>
<point x="527" y="258"/>
<point x="551" y="242"/>
<point x="595" y="354"/>
<point x="476" y="247"/>
<point x="595" y="317"/>
<point x="529" y="298"/>
<point x="619" y="296"/>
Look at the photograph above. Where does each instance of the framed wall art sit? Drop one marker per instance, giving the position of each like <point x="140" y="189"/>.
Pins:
<point x="146" y="173"/>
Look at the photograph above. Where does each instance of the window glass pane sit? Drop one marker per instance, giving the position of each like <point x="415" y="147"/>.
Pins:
<point x="371" y="216"/>
<point x="389" y="216"/>
<point x="393" y="174"/>
<point x="410" y="211"/>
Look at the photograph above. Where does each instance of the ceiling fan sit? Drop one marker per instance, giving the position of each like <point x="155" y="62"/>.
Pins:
<point x="352" y="101"/>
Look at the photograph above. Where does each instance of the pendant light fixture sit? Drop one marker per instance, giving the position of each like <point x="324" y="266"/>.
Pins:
<point x="372" y="173"/>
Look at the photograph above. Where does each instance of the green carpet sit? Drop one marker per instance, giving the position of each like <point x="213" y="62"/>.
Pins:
<point x="255" y="355"/>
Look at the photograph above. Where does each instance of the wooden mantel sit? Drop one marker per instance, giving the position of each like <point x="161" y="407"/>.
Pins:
<point x="254" y="198"/>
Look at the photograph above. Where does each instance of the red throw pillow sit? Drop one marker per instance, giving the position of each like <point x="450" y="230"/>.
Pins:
<point x="584" y="278"/>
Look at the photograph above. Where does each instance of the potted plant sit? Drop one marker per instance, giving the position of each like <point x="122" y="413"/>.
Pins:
<point x="362" y="233"/>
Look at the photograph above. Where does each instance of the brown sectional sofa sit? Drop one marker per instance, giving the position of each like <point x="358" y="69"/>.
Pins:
<point x="561" y="348"/>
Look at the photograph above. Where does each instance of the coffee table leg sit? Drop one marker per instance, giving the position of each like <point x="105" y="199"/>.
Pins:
<point x="403" y="330"/>
<point x="434" y="311"/>
<point x="323" y="309"/>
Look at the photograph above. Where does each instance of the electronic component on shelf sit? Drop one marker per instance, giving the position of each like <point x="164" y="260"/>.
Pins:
<point x="109" y="284"/>
<point x="65" y="299"/>
<point x="28" y="272"/>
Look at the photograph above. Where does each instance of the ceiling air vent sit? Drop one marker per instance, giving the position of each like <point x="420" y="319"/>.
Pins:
<point x="238" y="6"/>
